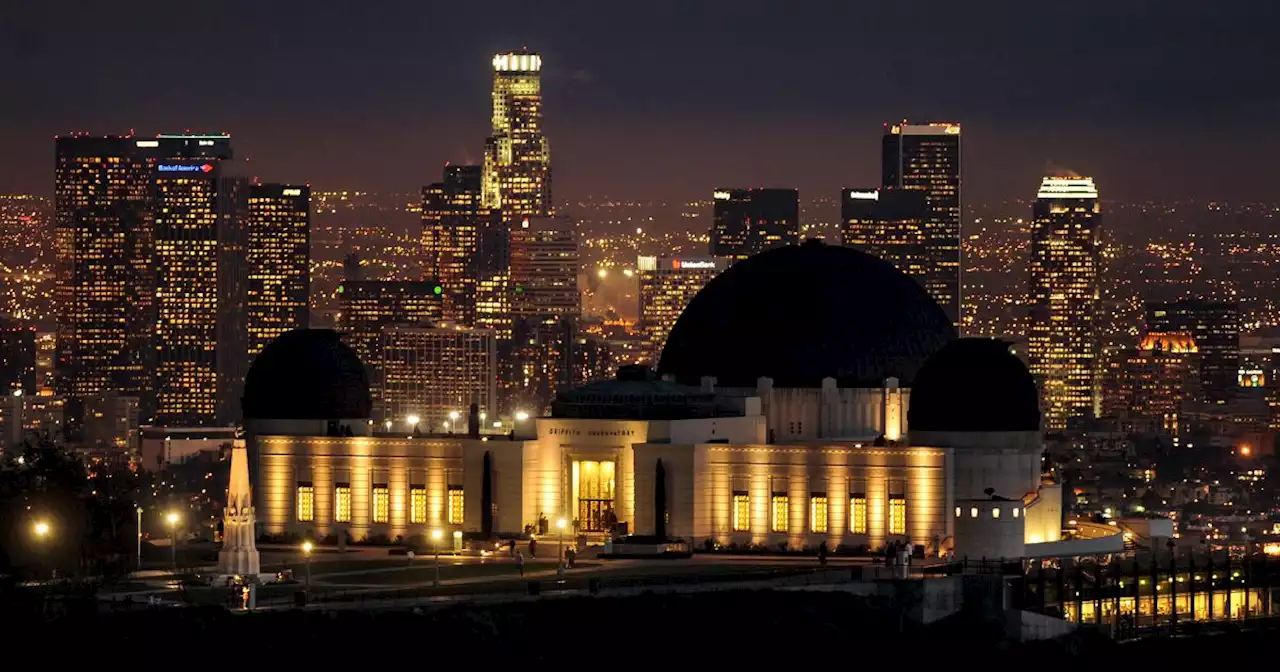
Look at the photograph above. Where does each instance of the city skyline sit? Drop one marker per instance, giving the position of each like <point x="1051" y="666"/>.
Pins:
<point x="300" y="105"/>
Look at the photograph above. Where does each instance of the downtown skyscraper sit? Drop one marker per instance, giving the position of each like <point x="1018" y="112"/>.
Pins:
<point x="1062" y="347"/>
<point x="667" y="285"/>
<point x="889" y="224"/>
<point x="1215" y="326"/>
<point x="201" y="239"/>
<point x="464" y="245"/>
<point x="926" y="157"/>
<point x="279" y="260"/>
<point x="517" y="160"/>
<point x="747" y="222"/>
<point x="105" y="278"/>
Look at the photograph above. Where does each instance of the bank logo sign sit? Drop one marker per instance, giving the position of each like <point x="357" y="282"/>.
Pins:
<point x="184" y="168"/>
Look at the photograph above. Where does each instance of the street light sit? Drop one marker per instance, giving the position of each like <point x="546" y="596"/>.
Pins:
<point x="306" y="552"/>
<point x="453" y="417"/>
<point x="388" y="424"/>
<point x="139" y="538"/>
<point x="560" y="529"/>
<point x="173" y="519"/>
<point x="436" y="536"/>
<point x="41" y="529"/>
<point x="521" y="416"/>
<point x="413" y="422"/>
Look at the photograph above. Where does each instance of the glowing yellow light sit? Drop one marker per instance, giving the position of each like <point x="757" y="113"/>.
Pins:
<point x="306" y="547"/>
<point x="41" y="529"/>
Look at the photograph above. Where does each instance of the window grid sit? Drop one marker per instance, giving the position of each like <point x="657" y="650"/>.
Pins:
<point x="818" y="513"/>
<point x="417" y="504"/>
<point x="381" y="504"/>
<point x="456" y="505"/>
<point x="741" y="512"/>
<point x="306" y="503"/>
<point x="897" y="515"/>
<point x="781" y="519"/>
<point x="858" y="514"/>
<point x="342" y="503"/>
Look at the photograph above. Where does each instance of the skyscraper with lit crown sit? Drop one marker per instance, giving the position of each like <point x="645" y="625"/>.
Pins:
<point x="926" y="157"/>
<point x="464" y="244"/>
<point x="1062" y="341"/>
<point x="517" y="161"/>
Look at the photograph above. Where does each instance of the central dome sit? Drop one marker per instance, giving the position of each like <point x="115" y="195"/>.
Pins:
<point x="798" y="314"/>
<point x="307" y="374"/>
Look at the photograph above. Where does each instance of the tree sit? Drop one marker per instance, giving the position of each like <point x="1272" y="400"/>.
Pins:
<point x="84" y="516"/>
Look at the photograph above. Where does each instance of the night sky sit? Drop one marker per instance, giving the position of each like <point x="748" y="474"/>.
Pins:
<point x="1157" y="100"/>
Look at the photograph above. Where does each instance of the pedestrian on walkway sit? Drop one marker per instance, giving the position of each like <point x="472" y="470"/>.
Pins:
<point x="520" y="563"/>
<point x="533" y="548"/>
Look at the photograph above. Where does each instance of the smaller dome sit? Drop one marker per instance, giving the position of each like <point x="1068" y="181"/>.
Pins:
<point x="974" y="385"/>
<point x="307" y="374"/>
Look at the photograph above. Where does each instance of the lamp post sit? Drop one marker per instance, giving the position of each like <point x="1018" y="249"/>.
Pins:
<point x="139" y="568"/>
<point x="388" y="424"/>
<point x="41" y="531"/>
<point x="436" y="536"/>
<point x="453" y="419"/>
<point x="306" y="552"/>
<point x="560" y="552"/>
<point x="173" y="519"/>
<point x="413" y="423"/>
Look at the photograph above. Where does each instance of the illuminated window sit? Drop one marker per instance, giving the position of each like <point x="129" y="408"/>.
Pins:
<point x="741" y="512"/>
<point x="342" y="503"/>
<point x="781" y="519"/>
<point x="1015" y="512"/>
<point x="897" y="515"/>
<point x="381" y="504"/>
<point x="858" y="514"/>
<point x="957" y="512"/>
<point x="417" y="504"/>
<point x="995" y="512"/>
<point x="306" y="503"/>
<point x="973" y="513"/>
<point x="818" y="513"/>
<point x="456" y="510"/>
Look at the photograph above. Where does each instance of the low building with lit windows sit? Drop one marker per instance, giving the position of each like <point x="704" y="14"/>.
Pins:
<point x="882" y="427"/>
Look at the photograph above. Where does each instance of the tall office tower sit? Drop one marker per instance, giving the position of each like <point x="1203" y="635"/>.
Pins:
<point x="436" y="373"/>
<point x="279" y="261"/>
<point x="750" y="221"/>
<point x="111" y="423"/>
<point x="889" y="224"/>
<point x="369" y="305"/>
<point x="517" y="161"/>
<point x="464" y="243"/>
<point x="667" y="285"/>
<point x="201" y="234"/>
<point x="17" y="359"/>
<point x="927" y="157"/>
<point x="1215" y="326"/>
<point x="544" y="268"/>
<point x="105" y="279"/>
<point x="1062" y="343"/>
<point x="540" y="362"/>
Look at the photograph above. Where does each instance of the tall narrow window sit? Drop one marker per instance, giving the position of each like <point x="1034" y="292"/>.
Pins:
<point x="342" y="503"/>
<point x="381" y="503"/>
<point x="858" y="514"/>
<point x="781" y="519"/>
<point x="417" y="504"/>
<point x="306" y="502"/>
<point x="897" y="514"/>
<point x="456" y="510"/>
<point x="741" y="512"/>
<point x="818" y="512"/>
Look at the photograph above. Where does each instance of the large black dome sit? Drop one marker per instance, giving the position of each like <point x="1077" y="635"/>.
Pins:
<point x="307" y="374"/>
<point x="798" y="314"/>
<point x="974" y="385"/>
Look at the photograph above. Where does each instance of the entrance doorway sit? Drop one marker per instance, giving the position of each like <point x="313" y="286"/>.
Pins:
<point x="593" y="488"/>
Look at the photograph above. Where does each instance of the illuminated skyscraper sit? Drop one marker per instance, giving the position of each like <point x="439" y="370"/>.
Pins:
<point x="750" y="221"/>
<point x="367" y="306"/>
<point x="201" y="234"/>
<point x="544" y="268"/>
<point x="105" y="286"/>
<point x="1062" y="344"/>
<point x="517" y="161"/>
<point x="927" y="157"/>
<point x="464" y="244"/>
<point x="889" y="224"/>
<point x="436" y="373"/>
<point x="1215" y="326"/>
<point x="667" y="285"/>
<point x="279" y="259"/>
